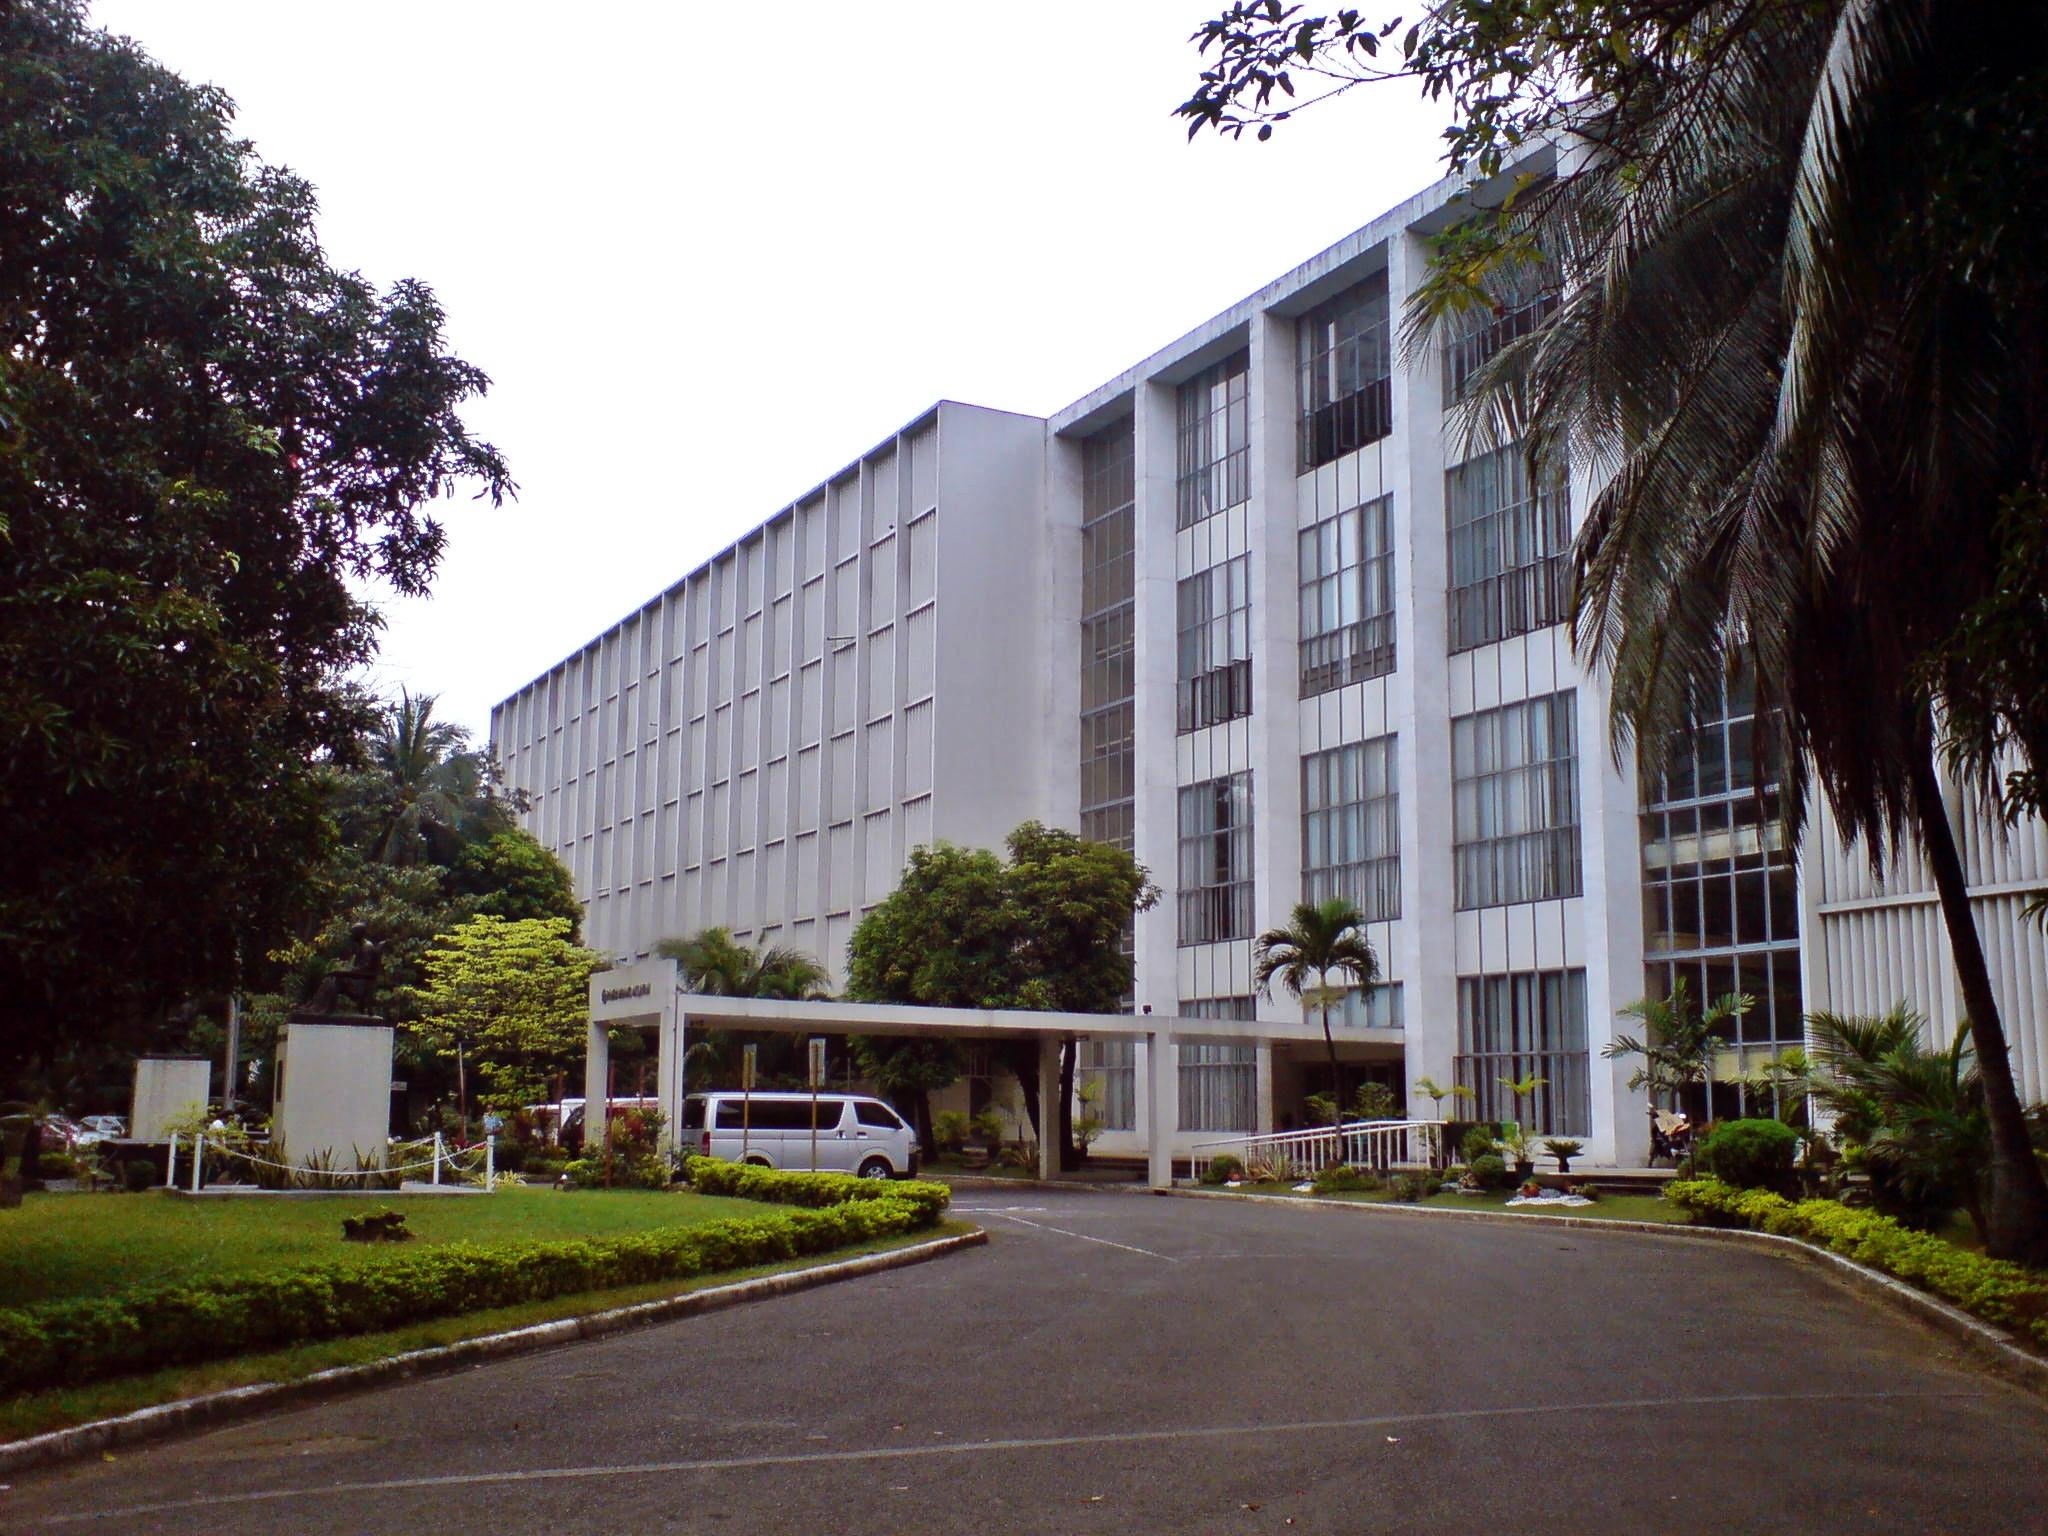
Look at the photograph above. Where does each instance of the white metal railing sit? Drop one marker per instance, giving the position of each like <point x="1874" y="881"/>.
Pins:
<point x="1377" y="1144"/>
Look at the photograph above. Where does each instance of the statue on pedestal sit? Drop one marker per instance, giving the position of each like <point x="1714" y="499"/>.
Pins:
<point x="353" y="982"/>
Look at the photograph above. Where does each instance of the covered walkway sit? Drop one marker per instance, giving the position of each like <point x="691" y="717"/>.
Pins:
<point x="649" y="996"/>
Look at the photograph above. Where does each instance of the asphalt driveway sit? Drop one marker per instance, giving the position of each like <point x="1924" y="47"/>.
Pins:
<point x="1112" y="1363"/>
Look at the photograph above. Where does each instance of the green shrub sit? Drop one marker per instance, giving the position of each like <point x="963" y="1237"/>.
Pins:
<point x="1996" y="1290"/>
<point x="715" y="1176"/>
<point x="1343" y="1179"/>
<point x="151" y="1327"/>
<point x="1751" y="1154"/>
<point x="1222" y="1169"/>
<point x="949" y="1129"/>
<point x="139" y="1174"/>
<point x="1410" y="1187"/>
<point x="1480" y="1141"/>
<point x="1488" y="1171"/>
<point x="626" y="1172"/>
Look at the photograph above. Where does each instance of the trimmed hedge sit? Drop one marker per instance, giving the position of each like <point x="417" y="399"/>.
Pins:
<point x="145" y="1329"/>
<point x="716" y="1176"/>
<point x="1998" y="1291"/>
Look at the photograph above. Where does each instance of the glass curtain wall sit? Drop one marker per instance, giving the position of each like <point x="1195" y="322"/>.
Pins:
<point x="1515" y="802"/>
<point x="1219" y="1084"/>
<point x="1215" y="866"/>
<point x="1347" y="397"/>
<point x="1214" y="454"/>
<point x="1213" y="653"/>
<point x="1721" y="891"/>
<point x="1516" y="1026"/>
<point x="1510" y="536"/>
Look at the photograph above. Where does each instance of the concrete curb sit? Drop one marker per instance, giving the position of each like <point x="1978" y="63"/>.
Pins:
<point x="1989" y="1346"/>
<point x="192" y="1413"/>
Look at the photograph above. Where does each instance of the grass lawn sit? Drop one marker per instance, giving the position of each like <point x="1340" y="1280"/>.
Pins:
<point x="1607" y="1207"/>
<point x="60" y="1246"/>
<point x="37" y="1412"/>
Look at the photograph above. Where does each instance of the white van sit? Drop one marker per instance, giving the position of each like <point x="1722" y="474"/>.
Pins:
<point x="855" y="1134"/>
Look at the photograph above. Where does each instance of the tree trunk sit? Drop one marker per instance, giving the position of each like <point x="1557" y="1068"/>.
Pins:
<point x="1336" y="1077"/>
<point x="1021" y="1057"/>
<point x="2016" y="1215"/>
<point x="1070" y="1155"/>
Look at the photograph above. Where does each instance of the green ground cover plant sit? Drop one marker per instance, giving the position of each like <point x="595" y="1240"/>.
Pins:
<point x="215" y="1316"/>
<point x="62" y="1247"/>
<point x="1996" y="1290"/>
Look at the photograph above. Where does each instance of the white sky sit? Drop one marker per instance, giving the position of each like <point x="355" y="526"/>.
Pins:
<point x="708" y="261"/>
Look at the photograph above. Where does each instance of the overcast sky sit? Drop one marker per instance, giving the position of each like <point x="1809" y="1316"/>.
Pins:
<point x="709" y="255"/>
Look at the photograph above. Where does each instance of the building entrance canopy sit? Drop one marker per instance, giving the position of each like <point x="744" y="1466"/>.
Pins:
<point x="649" y="996"/>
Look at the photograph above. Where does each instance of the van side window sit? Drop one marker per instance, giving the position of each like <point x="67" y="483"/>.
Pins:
<point x="877" y="1114"/>
<point x="781" y="1114"/>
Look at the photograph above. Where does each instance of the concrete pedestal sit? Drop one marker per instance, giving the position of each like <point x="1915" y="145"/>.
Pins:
<point x="333" y="1104"/>
<point x="168" y="1089"/>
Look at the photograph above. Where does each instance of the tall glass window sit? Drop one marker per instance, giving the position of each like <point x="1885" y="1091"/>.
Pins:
<point x="1515" y="802"/>
<point x="1351" y="827"/>
<point x="1347" y="397"/>
<point x="1216" y="860"/>
<point x="1215" y="441"/>
<point x="1214" y="668"/>
<point x="1523" y="299"/>
<point x="1219" y="1084"/>
<point x="1720" y="888"/>
<point x="1347" y="597"/>
<point x="1523" y="1025"/>
<point x="1380" y="1008"/>
<point x="1108" y="718"/>
<point x="1509" y="537"/>
<point x="1112" y="1066"/>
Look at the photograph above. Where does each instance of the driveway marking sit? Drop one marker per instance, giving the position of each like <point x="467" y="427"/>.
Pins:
<point x="979" y="1447"/>
<point x="1084" y="1237"/>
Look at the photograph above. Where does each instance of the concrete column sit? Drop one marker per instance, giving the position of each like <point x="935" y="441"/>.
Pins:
<point x="1163" y="1118"/>
<point x="668" y="1072"/>
<point x="1048" y="1106"/>
<point x="596" y="1105"/>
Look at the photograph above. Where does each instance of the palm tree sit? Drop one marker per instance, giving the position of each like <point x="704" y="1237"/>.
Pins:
<point x="430" y="787"/>
<point x="1918" y="1114"/>
<point x="1678" y="1044"/>
<point x="1803" y="395"/>
<point x="714" y="962"/>
<point x="1323" y="938"/>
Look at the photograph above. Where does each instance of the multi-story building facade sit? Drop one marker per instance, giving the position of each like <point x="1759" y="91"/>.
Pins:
<point x="1254" y="611"/>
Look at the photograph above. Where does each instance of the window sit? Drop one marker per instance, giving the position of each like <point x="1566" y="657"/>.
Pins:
<point x="1509" y="537"/>
<point x="778" y="1114"/>
<point x="1214" y="668"/>
<point x="1531" y="1024"/>
<point x="1347" y="598"/>
<point x="1720" y="887"/>
<point x="1214" y="436"/>
<point x="1515" y="802"/>
<point x="1219" y="1085"/>
<point x="1108" y="720"/>
<point x="1524" y="301"/>
<point x="880" y="1116"/>
<point x="1216" y="860"/>
<point x="1381" y="1008"/>
<point x="1347" y="395"/>
<point x="1112" y="1067"/>
<point x="1350" y="827"/>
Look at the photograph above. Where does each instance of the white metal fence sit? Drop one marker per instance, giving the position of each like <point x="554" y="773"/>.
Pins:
<point x="1376" y="1144"/>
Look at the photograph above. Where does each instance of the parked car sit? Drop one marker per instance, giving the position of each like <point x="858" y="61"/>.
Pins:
<point x="853" y="1133"/>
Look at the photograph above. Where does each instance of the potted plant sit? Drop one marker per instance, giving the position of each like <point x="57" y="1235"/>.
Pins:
<point x="1564" y="1150"/>
<point x="1518" y="1144"/>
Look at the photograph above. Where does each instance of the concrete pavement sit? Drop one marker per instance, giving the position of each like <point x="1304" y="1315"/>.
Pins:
<point x="1112" y="1363"/>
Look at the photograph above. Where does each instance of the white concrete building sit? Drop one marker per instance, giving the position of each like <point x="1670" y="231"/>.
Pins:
<point x="1249" y="610"/>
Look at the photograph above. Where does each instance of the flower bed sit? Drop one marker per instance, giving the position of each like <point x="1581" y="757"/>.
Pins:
<point x="2009" y="1295"/>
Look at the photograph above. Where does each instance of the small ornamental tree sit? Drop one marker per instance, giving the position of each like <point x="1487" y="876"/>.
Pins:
<point x="508" y="999"/>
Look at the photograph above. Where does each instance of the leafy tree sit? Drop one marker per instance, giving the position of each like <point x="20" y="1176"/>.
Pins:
<point x="206" y="433"/>
<point x="1323" y="937"/>
<point x="509" y="874"/>
<point x="909" y="1070"/>
<point x="1042" y="931"/>
<point x="1803" y="279"/>
<point x="509" y="999"/>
